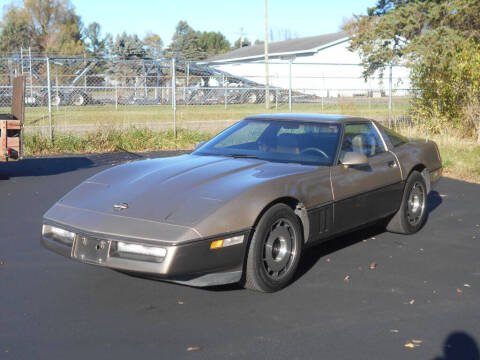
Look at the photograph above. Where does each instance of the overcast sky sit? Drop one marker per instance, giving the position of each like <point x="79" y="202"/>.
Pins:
<point x="301" y="17"/>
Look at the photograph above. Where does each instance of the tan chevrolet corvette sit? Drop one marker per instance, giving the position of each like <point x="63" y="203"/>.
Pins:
<point x="244" y="206"/>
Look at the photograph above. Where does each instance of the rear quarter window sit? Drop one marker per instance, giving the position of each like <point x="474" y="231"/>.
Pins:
<point x="395" y="139"/>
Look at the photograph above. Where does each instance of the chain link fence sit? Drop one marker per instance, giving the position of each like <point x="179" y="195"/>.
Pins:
<point x="76" y="95"/>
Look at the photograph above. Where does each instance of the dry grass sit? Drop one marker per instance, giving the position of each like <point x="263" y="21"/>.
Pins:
<point x="111" y="140"/>
<point x="460" y="156"/>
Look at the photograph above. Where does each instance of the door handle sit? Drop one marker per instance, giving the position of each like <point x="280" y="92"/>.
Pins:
<point x="392" y="164"/>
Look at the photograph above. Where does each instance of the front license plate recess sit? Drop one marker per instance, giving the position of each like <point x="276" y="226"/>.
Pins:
<point x="91" y="250"/>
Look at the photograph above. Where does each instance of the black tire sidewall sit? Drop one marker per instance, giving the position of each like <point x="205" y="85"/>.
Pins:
<point x="258" y="242"/>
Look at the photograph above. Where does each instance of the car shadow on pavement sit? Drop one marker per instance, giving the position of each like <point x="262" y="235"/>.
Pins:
<point x="459" y="346"/>
<point x="315" y="253"/>
<point x="311" y="257"/>
<point x="433" y="201"/>
<point x="43" y="166"/>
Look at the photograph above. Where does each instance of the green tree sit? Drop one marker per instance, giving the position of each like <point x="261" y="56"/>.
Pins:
<point x="15" y="35"/>
<point x="153" y="44"/>
<point x="186" y="43"/>
<point x="69" y="39"/>
<point x="96" y="45"/>
<point x="214" y="43"/>
<point x="439" y="40"/>
<point x="124" y="47"/>
<point x="108" y="41"/>
<point x="53" y="24"/>
<point x="128" y="46"/>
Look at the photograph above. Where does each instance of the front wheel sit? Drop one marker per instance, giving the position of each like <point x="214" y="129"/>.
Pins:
<point x="413" y="211"/>
<point x="274" y="251"/>
<point x="78" y="99"/>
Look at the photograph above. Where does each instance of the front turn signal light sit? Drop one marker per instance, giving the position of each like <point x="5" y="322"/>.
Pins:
<point x="217" y="244"/>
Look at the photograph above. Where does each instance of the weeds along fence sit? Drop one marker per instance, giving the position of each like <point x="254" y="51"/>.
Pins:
<point x="78" y="95"/>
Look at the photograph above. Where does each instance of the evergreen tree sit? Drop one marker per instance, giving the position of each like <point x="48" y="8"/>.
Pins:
<point x="96" y="45"/>
<point x="128" y="47"/>
<point x="186" y="44"/>
<point x="214" y="43"/>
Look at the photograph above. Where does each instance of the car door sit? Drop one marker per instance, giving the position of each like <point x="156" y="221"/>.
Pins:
<point x="364" y="193"/>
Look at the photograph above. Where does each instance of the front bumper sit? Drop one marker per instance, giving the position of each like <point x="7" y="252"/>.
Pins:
<point x="192" y="263"/>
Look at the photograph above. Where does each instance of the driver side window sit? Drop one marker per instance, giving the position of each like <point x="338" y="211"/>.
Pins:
<point x="362" y="138"/>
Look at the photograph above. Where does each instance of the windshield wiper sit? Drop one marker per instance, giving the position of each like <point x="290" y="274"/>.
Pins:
<point x="242" y="156"/>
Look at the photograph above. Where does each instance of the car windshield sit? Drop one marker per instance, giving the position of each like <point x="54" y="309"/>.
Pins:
<point x="279" y="141"/>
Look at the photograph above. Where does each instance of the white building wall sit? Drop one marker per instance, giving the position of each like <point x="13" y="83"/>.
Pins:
<point x="330" y="72"/>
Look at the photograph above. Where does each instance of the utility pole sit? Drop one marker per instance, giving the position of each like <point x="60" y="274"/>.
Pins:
<point x="265" y="45"/>
<point x="30" y="71"/>
<point x="174" y="98"/>
<point x="390" y="95"/>
<point x="49" y="95"/>
<point x="242" y="37"/>
<point x="290" y="85"/>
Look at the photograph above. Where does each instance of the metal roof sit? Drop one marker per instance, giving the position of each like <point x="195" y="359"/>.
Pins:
<point x="287" y="47"/>
<point x="333" y="118"/>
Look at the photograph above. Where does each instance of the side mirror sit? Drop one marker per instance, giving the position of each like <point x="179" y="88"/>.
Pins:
<point x="353" y="159"/>
<point x="200" y="144"/>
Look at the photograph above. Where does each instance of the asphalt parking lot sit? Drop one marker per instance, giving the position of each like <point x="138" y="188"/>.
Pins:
<point x="368" y="295"/>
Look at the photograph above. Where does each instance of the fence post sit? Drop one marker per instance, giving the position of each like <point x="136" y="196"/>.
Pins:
<point x="56" y="91"/>
<point x="390" y="94"/>
<point x="290" y="85"/>
<point x="265" y="47"/>
<point x="187" y="79"/>
<point x="156" y="80"/>
<point x="116" y="95"/>
<point x="30" y="71"/>
<point x="174" y="99"/>
<point x="49" y="97"/>
<point x="323" y="88"/>
<point x="21" y="60"/>
<point x="224" y="91"/>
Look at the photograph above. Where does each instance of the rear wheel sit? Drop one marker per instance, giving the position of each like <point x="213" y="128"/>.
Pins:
<point x="56" y="100"/>
<point x="274" y="251"/>
<point x="252" y="98"/>
<point x="413" y="211"/>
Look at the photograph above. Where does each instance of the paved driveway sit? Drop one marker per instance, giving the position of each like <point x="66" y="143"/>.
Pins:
<point x="421" y="300"/>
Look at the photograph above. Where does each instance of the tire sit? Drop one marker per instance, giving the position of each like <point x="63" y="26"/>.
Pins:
<point x="413" y="210"/>
<point x="56" y="100"/>
<point x="252" y="98"/>
<point x="78" y="99"/>
<point x="275" y="250"/>
<point x="272" y="97"/>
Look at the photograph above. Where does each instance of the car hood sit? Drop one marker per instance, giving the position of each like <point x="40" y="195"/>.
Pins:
<point x="179" y="190"/>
